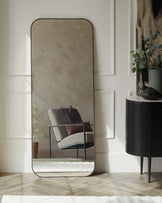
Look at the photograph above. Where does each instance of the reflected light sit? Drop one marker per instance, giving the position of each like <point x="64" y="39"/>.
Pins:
<point x="109" y="132"/>
<point x="28" y="55"/>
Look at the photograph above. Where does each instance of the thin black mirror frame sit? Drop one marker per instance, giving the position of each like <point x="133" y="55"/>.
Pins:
<point x="93" y="82"/>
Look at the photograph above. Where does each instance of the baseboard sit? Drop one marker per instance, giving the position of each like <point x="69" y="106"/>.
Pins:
<point x="124" y="163"/>
<point x="110" y="162"/>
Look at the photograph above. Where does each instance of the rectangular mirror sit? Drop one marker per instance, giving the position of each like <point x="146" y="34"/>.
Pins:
<point x="62" y="97"/>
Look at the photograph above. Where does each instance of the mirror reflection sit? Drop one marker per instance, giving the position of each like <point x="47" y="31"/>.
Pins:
<point x="62" y="97"/>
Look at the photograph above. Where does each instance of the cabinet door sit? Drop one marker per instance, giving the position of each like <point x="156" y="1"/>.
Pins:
<point x="156" y="131"/>
<point x="138" y="125"/>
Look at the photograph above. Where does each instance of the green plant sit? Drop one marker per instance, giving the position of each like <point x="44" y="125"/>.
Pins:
<point x="150" y="55"/>
<point x="36" y="124"/>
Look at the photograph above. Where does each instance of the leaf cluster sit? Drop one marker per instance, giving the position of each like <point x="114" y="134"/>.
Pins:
<point x="36" y="124"/>
<point x="150" y="55"/>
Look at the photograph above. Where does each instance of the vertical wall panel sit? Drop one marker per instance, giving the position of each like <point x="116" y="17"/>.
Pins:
<point x="132" y="32"/>
<point x="110" y="153"/>
<point x="105" y="35"/>
<point x="17" y="115"/>
<point x="104" y="111"/>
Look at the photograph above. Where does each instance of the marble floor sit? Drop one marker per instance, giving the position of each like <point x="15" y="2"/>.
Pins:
<point x="105" y="184"/>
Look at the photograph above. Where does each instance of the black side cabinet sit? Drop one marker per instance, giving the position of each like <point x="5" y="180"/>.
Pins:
<point x="144" y="129"/>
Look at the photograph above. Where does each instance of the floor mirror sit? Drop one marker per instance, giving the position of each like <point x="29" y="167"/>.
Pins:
<point x="62" y="97"/>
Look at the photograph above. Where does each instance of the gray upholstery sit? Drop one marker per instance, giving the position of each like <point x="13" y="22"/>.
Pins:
<point x="64" y="140"/>
<point x="57" y="118"/>
<point x="76" y="139"/>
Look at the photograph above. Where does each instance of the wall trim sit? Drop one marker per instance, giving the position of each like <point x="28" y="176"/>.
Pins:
<point x="132" y="33"/>
<point x="17" y="135"/>
<point x="104" y="133"/>
<point x="111" y="71"/>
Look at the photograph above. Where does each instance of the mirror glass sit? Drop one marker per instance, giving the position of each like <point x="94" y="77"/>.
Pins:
<point x="62" y="97"/>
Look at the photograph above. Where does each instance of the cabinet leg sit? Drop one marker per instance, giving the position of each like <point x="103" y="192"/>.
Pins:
<point x="149" y="169"/>
<point x="141" y="164"/>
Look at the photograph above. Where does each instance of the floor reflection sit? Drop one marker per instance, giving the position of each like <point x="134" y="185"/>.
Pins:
<point x="63" y="167"/>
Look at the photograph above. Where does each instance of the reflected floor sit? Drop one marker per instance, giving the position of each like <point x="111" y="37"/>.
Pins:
<point x="63" y="167"/>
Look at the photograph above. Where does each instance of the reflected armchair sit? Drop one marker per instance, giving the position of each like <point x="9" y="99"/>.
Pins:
<point x="78" y="140"/>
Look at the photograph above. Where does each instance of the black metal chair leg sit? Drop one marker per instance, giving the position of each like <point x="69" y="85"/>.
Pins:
<point x="85" y="155"/>
<point x="149" y="169"/>
<point x="77" y="152"/>
<point x="50" y="141"/>
<point x="141" y="164"/>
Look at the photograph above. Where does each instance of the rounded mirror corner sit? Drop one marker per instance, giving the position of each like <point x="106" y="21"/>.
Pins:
<point x="34" y="22"/>
<point x="88" y="21"/>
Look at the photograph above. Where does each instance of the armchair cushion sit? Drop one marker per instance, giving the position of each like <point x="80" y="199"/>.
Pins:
<point x="71" y="129"/>
<point x="75" y="139"/>
<point x="71" y="115"/>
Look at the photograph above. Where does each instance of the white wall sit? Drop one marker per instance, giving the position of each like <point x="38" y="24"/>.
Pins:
<point x="113" y="79"/>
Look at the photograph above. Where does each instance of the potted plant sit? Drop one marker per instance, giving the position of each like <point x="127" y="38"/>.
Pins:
<point x="149" y="57"/>
<point x="36" y="131"/>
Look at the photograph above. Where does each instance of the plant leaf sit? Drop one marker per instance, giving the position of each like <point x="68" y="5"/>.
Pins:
<point x="133" y="69"/>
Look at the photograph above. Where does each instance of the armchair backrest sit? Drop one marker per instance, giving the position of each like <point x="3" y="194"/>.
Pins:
<point x="57" y="118"/>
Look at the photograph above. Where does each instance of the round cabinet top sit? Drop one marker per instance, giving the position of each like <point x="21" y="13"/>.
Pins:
<point x="140" y="99"/>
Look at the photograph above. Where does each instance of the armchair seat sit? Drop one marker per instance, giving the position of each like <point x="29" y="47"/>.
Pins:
<point x="76" y="139"/>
